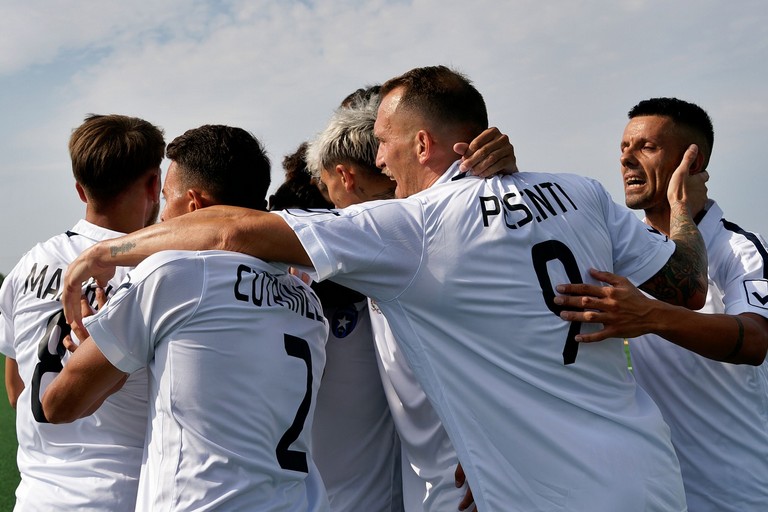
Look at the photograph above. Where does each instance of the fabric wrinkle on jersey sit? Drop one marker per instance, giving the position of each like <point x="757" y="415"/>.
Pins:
<point x="717" y="412"/>
<point x="354" y="442"/>
<point x="92" y="463"/>
<point x="429" y="459"/>
<point x="234" y="348"/>
<point x="540" y="434"/>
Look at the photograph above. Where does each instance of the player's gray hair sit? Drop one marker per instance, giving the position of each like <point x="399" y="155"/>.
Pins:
<point x="348" y="138"/>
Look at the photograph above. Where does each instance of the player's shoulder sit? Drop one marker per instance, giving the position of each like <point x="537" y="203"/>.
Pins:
<point x="55" y="253"/>
<point x="526" y="178"/>
<point x="729" y="237"/>
<point x="198" y="261"/>
<point x="165" y="261"/>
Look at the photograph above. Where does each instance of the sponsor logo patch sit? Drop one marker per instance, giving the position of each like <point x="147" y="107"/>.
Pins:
<point x="757" y="292"/>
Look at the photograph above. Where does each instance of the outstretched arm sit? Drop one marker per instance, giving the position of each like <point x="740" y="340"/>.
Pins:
<point x="626" y="313"/>
<point x="229" y="228"/>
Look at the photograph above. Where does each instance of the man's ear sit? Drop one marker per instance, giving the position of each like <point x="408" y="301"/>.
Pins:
<point x="698" y="164"/>
<point x="425" y="146"/>
<point x="81" y="192"/>
<point x="153" y="186"/>
<point x="347" y="175"/>
<point x="195" y="200"/>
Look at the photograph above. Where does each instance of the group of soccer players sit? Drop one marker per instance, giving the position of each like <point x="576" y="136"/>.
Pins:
<point x="462" y="318"/>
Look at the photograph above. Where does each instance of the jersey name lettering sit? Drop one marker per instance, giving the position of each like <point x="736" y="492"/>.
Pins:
<point x="35" y="282"/>
<point x="546" y="200"/>
<point x="263" y="289"/>
<point x="51" y="288"/>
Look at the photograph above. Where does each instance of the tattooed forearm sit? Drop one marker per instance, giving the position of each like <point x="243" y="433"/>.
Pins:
<point x="114" y="250"/>
<point x="685" y="274"/>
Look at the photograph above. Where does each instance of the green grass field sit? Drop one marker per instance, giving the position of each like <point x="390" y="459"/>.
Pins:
<point x="9" y="474"/>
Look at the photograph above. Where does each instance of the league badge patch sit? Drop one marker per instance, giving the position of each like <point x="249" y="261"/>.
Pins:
<point x="757" y="292"/>
<point x="344" y="321"/>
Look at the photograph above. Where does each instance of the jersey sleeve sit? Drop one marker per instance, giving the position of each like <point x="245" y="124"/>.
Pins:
<point x="744" y="277"/>
<point x="155" y="298"/>
<point x="375" y="249"/>
<point x="639" y="251"/>
<point x="7" y="335"/>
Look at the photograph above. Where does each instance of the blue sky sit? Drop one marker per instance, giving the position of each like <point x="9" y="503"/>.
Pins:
<point x="558" y="77"/>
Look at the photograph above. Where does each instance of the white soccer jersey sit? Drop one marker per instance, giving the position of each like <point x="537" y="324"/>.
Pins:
<point x="429" y="459"/>
<point x="235" y="352"/>
<point x="354" y="443"/>
<point x="92" y="463"/>
<point x="717" y="412"/>
<point x="464" y="273"/>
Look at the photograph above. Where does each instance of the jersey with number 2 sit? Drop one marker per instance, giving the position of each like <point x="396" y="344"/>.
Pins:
<point x="235" y="349"/>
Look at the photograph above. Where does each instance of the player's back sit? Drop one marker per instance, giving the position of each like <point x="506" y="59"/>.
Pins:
<point x="571" y="421"/>
<point x="465" y="274"/>
<point x="93" y="462"/>
<point x="238" y="359"/>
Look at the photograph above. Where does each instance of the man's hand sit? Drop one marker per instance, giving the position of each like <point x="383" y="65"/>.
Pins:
<point x="622" y="308"/>
<point x="72" y="341"/>
<point x="689" y="186"/>
<point x="490" y="153"/>
<point x="86" y="265"/>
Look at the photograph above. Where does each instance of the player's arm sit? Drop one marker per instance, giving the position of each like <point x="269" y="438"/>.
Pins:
<point x="14" y="385"/>
<point x="86" y="381"/>
<point x="683" y="280"/>
<point x="261" y="234"/>
<point x="625" y="312"/>
<point x="468" y="501"/>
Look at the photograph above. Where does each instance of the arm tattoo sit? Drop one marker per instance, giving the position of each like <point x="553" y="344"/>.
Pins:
<point x="121" y="249"/>
<point x="679" y="279"/>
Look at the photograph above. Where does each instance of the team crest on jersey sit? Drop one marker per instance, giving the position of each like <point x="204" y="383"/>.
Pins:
<point x="344" y="321"/>
<point x="757" y="292"/>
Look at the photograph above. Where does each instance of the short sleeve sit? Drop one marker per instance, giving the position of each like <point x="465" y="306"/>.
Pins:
<point x="154" y="299"/>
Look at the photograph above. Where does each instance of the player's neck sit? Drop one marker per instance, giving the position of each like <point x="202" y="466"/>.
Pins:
<point x="120" y="219"/>
<point x="658" y="218"/>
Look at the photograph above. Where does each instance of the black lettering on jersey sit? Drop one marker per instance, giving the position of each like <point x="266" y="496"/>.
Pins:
<point x="238" y="294"/>
<point x="35" y="280"/>
<point x="263" y="289"/>
<point x="540" y="202"/>
<point x="511" y="207"/>
<point x="489" y="206"/>
<point x="53" y="285"/>
<point x="547" y="199"/>
<point x="40" y="285"/>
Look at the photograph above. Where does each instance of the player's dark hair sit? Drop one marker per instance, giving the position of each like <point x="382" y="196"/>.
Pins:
<point x="682" y="113"/>
<point x="362" y="97"/>
<point x="443" y="96"/>
<point x="228" y="162"/>
<point x="299" y="190"/>
<point x="111" y="152"/>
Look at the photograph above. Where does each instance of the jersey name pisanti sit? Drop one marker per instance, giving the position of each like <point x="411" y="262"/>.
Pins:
<point x="264" y="289"/>
<point x="546" y="199"/>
